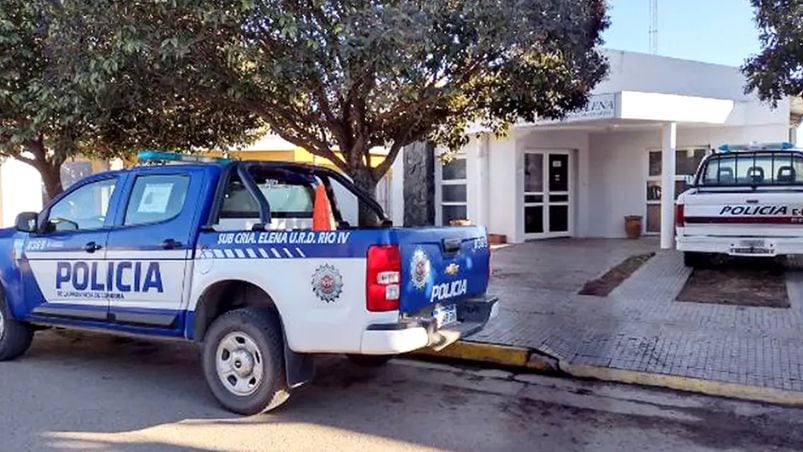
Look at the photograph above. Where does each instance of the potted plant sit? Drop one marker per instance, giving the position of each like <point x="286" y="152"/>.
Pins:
<point x="633" y="226"/>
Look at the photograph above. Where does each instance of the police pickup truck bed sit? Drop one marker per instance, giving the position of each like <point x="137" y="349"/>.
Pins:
<point x="744" y="201"/>
<point x="225" y="254"/>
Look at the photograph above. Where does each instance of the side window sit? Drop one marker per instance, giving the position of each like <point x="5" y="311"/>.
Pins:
<point x="156" y="198"/>
<point x="83" y="209"/>
<point x="348" y="203"/>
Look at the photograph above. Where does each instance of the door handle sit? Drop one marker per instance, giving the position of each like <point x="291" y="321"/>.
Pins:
<point x="170" y="244"/>
<point x="91" y="247"/>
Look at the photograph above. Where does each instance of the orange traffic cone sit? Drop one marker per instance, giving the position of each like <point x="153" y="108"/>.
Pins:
<point x="321" y="211"/>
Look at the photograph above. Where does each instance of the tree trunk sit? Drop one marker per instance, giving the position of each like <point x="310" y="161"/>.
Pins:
<point x="49" y="168"/>
<point x="51" y="178"/>
<point x="364" y="179"/>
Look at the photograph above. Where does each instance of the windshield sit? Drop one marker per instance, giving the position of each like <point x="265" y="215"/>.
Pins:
<point x="753" y="168"/>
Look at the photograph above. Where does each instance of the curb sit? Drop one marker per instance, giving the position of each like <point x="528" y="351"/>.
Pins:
<point x="534" y="360"/>
<point x="485" y="353"/>
<point x="689" y="384"/>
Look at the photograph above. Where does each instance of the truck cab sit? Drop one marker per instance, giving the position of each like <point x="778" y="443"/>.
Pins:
<point x="745" y="200"/>
<point x="263" y="264"/>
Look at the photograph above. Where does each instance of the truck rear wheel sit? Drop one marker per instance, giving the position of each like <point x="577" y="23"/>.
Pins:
<point x="243" y="360"/>
<point x="15" y="336"/>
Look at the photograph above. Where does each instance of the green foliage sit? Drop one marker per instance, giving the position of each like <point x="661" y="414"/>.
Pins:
<point x="80" y="77"/>
<point x="356" y="74"/>
<point x="777" y="71"/>
<point x="101" y="77"/>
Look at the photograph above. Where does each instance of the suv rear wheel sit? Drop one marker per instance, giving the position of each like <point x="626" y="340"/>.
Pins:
<point x="15" y="336"/>
<point x="243" y="360"/>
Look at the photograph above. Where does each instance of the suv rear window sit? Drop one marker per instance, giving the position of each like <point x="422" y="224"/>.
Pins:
<point x="753" y="168"/>
<point x="289" y="195"/>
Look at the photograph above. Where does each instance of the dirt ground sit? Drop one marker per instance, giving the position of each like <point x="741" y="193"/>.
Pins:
<point x="738" y="282"/>
<point x="604" y="285"/>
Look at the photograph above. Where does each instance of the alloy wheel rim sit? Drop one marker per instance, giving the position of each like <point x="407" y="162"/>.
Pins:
<point x="2" y="324"/>
<point x="238" y="362"/>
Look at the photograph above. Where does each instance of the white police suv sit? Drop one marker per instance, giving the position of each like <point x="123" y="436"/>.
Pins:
<point x="224" y="253"/>
<point x="745" y="200"/>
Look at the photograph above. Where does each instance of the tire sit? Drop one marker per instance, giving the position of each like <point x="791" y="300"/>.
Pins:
<point x="696" y="260"/>
<point x="243" y="361"/>
<point x="15" y="336"/>
<point x="370" y="360"/>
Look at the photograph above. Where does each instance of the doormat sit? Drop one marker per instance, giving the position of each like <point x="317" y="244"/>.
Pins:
<point x="738" y="286"/>
<point x="605" y="284"/>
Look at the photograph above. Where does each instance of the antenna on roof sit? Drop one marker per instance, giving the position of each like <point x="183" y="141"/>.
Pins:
<point x="653" y="27"/>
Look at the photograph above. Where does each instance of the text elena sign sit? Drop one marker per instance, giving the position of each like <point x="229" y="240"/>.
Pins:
<point x="600" y="106"/>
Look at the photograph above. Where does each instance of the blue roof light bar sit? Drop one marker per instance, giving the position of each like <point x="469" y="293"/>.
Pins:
<point x="156" y="156"/>
<point x="782" y="146"/>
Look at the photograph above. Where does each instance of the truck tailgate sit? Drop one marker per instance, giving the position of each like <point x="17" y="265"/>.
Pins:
<point x="744" y="213"/>
<point x="442" y="265"/>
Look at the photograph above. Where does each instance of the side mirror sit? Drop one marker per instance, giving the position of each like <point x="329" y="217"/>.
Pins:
<point x="27" y="221"/>
<point x="689" y="180"/>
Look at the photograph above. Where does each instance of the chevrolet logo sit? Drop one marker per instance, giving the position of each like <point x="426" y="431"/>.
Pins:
<point x="452" y="269"/>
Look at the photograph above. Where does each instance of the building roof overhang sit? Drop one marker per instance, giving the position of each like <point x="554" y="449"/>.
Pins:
<point x="634" y="108"/>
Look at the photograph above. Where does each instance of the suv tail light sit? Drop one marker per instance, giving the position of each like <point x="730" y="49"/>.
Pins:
<point x="383" y="277"/>
<point x="680" y="219"/>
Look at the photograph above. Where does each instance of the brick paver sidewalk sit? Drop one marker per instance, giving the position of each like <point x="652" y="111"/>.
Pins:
<point x="639" y="327"/>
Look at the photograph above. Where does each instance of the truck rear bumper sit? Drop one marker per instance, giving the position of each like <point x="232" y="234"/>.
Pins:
<point x="412" y="334"/>
<point x="742" y="246"/>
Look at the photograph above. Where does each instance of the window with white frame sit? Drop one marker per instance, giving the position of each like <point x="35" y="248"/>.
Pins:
<point x="686" y="162"/>
<point x="453" y="190"/>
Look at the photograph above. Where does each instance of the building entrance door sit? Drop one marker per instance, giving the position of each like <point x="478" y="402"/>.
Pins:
<point x="547" y="194"/>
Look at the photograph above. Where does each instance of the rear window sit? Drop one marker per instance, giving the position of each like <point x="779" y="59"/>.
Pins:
<point x="753" y="168"/>
<point x="289" y="194"/>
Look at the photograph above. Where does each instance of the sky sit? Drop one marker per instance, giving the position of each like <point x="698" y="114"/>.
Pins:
<point x="714" y="31"/>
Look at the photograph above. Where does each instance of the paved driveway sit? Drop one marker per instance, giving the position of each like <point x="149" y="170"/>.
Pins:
<point x="639" y="327"/>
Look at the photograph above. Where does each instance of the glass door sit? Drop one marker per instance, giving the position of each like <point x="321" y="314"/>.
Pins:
<point x="547" y="194"/>
<point x="533" y="193"/>
<point x="558" y="193"/>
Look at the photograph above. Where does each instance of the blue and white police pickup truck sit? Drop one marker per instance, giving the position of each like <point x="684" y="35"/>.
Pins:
<point x="223" y="253"/>
<point x="745" y="200"/>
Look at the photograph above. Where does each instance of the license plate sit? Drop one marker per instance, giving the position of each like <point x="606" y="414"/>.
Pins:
<point x="445" y="315"/>
<point x="752" y="247"/>
<point x="752" y="244"/>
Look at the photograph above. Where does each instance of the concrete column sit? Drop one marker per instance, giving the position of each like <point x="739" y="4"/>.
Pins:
<point x="669" y="140"/>
<point x="482" y="181"/>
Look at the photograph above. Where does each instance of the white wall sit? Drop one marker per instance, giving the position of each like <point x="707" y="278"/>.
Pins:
<point x="503" y="170"/>
<point x="618" y="169"/>
<point x="20" y="190"/>
<point x="632" y="71"/>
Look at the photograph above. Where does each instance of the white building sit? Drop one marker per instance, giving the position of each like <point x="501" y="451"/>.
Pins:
<point x="580" y="177"/>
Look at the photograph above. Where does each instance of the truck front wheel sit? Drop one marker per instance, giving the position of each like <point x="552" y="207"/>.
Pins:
<point x="15" y="337"/>
<point x="243" y="361"/>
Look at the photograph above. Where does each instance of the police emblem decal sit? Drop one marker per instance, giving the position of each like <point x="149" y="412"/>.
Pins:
<point x="327" y="283"/>
<point x="420" y="268"/>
